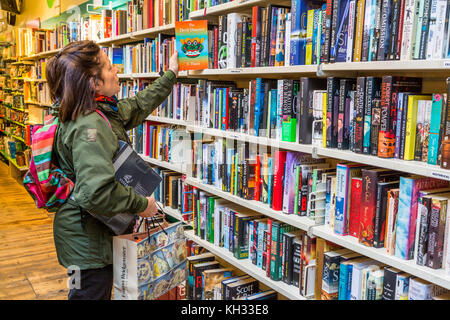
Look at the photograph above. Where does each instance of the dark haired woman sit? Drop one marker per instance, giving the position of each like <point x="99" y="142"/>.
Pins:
<point x="81" y="80"/>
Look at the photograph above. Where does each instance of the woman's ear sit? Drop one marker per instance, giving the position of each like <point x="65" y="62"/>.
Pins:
<point x="95" y="85"/>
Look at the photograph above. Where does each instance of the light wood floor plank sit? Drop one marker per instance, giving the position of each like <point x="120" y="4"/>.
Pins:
<point x="29" y="269"/>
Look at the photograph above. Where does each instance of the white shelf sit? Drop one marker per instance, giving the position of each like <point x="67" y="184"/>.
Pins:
<point x="171" y="166"/>
<point x="137" y="35"/>
<point x="435" y="276"/>
<point x="303" y="223"/>
<point x="413" y="167"/>
<point x="149" y="75"/>
<point x="257" y="72"/>
<point x="232" y="6"/>
<point x="167" y="120"/>
<point x="390" y="65"/>
<point x="248" y="267"/>
<point x="173" y="213"/>
<point x="252" y="139"/>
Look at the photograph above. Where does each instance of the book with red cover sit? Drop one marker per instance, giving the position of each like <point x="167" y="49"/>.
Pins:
<point x="390" y="87"/>
<point x="256" y="36"/>
<point x="355" y="206"/>
<point x="278" y="181"/>
<point x="370" y="179"/>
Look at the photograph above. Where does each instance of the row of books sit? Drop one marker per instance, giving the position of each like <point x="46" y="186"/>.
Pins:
<point x="174" y="193"/>
<point x="176" y="106"/>
<point x="381" y="209"/>
<point x="140" y="15"/>
<point x="240" y="40"/>
<point x="279" y="249"/>
<point x="166" y="143"/>
<point x="150" y="56"/>
<point x="360" y="30"/>
<point x="350" y="276"/>
<point x="209" y="280"/>
<point x="331" y="31"/>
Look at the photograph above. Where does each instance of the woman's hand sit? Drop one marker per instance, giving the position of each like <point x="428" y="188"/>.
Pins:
<point x="173" y="63"/>
<point x="151" y="209"/>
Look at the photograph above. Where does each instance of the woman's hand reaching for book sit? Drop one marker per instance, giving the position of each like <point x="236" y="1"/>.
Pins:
<point x="173" y="63"/>
<point x="151" y="209"/>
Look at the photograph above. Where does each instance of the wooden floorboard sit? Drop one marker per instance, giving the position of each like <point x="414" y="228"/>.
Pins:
<point x="29" y="269"/>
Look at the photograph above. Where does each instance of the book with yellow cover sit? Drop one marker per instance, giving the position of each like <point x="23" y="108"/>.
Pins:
<point x="411" y="121"/>
<point x="309" y="36"/>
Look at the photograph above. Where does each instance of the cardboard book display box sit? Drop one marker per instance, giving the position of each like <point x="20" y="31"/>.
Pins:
<point x="148" y="264"/>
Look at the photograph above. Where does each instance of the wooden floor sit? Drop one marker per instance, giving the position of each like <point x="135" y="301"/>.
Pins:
<point x="29" y="268"/>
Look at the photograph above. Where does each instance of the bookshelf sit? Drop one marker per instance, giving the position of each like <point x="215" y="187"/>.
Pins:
<point x="248" y="267"/>
<point x="285" y="71"/>
<point x="433" y="72"/>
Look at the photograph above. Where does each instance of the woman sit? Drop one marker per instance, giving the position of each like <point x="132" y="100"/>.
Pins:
<point x="81" y="80"/>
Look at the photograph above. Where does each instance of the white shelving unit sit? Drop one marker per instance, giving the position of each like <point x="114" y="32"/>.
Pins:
<point x="164" y="164"/>
<point x="426" y="68"/>
<point x="167" y="120"/>
<point x="248" y="267"/>
<point x="257" y="72"/>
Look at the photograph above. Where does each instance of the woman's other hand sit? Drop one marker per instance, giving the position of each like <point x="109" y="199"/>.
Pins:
<point x="173" y="63"/>
<point x="151" y="209"/>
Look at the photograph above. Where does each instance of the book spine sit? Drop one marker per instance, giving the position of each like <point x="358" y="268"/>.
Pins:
<point x="391" y="221"/>
<point x="398" y="129"/>
<point x="359" y="30"/>
<point x="351" y="30"/>
<point x="394" y="28"/>
<point x="425" y="29"/>
<point x="386" y="137"/>
<point x="280" y="158"/>
<point x="436" y="233"/>
<point x="399" y="35"/>
<point x="418" y="32"/>
<point x="325" y="53"/>
<point x="331" y="89"/>
<point x="334" y="27"/>
<point x="409" y="29"/>
<point x="368" y="207"/>
<point x="383" y="44"/>
<point x="340" y="220"/>
<point x="355" y="207"/>
<point x="424" y="212"/>
<point x="433" y="143"/>
<point x="375" y="126"/>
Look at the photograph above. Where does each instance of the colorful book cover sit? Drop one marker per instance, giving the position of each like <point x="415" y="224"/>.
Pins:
<point x="292" y="161"/>
<point x="407" y="212"/>
<point x="192" y="44"/>
<point x="344" y="174"/>
<point x="433" y="139"/>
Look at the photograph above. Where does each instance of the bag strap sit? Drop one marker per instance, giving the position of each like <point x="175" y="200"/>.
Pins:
<point x="104" y="117"/>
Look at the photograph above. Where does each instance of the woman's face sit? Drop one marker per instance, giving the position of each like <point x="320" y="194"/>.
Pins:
<point x="110" y="84"/>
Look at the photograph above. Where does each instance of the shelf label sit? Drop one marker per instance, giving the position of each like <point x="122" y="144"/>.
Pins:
<point x="440" y="175"/>
<point x="236" y="70"/>
<point x="447" y="64"/>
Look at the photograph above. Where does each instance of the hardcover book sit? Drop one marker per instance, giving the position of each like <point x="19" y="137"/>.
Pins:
<point x="192" y="44"/>
<point x="407" y="212"/>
